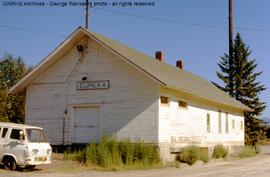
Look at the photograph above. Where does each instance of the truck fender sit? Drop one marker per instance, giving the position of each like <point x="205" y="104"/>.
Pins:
<point x="8" y="154"/>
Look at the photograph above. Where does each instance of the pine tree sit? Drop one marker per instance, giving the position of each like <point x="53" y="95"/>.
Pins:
<point x="246" y="88"/>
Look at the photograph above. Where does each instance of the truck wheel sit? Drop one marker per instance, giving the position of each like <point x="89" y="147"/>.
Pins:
<point x="9" y="163"/>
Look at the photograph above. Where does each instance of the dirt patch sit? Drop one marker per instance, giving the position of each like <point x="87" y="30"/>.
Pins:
<point x="258" y="166"/>
<point x="60" y="165"/>
<point x="264" y="142"/>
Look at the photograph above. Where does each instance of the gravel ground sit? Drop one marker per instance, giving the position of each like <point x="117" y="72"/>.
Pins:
<point x="265" y="149"/>
<point x="258" y="166"/>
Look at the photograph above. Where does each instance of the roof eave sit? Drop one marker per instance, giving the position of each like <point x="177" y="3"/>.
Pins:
<point x="241" y="108"/>
<point x="20" y="87"/>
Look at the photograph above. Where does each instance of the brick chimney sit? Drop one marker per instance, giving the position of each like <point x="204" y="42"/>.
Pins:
<point x="159" y="55"/>
<point x="180" y="64"/>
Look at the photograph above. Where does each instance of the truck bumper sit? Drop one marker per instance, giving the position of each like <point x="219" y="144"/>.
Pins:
<point x="38" y="161"/>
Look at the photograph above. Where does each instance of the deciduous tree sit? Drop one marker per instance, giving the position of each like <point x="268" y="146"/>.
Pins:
<point x="11" y="71"/>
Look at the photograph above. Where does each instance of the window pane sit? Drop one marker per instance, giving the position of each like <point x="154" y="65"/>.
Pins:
<point x="4" y="132"/>
<point x="219" y="122"/>
<point x="208" y="122"/>
<point x="227" y="123"/>
<point x="164" y="100"/>
<point x="35" y="135"/>
<point x="182" y="104"/>
<point x="15" y="134"/>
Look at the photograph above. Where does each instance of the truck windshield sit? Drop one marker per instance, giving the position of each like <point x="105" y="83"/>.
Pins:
<point x="35" y="135"/>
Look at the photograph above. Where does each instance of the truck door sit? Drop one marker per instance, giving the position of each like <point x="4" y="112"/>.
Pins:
<point x="1" y="145"/>
<point x="3" y="133"/>
<point x="16" y="146"/>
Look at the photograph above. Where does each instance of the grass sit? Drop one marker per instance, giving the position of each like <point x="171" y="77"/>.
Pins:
<point x="204" y="157"/>
<point x="220" y="152"/>
<point x="258" y="150"/>
<point x="190" y="154"/>
<point x="111" y="154"/>
<point x="247" y="151"/>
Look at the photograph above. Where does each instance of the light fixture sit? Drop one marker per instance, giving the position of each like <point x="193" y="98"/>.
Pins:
<point x="84" y="78"/>
<point x="80" y="48"/>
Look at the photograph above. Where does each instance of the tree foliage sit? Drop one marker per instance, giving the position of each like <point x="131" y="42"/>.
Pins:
<point x="245" y="87"/>
<point x="11" y="71"/>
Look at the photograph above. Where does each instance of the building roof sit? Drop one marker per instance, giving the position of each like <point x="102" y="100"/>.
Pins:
<point x="168" y="75"/>
<point x="8" y="124"/>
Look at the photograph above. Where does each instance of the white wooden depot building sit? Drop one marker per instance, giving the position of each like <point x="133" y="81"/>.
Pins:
<point x="91" y="86"/>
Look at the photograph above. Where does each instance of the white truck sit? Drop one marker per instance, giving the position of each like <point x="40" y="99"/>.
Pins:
<point x="23" y="146"/>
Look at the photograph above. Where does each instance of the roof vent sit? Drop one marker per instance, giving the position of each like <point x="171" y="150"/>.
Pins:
<point x="159" y="55"/>
<point x="180" y="64"/>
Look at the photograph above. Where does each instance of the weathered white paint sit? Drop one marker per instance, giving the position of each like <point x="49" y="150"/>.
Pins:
<point x="129" y="106"/>
<point x="128" y="109"/>
<point x="179" y="127"/>
<point x="86" y="124"/>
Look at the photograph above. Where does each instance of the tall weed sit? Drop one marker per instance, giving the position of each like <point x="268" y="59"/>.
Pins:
<point x="114" y="154"/>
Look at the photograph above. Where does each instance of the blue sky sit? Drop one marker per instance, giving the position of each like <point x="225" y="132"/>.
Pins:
<point x="200" y="47"/>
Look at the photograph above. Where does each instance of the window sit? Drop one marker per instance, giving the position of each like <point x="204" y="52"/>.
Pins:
<point x="227" y="123"/>
<point x="4" y="132"/>
<point x="15" y="134"/>
<point x="35" y="135"/>
<point x="241" y="125"/>
<point x="208" y="122"/>
<point x="182" y="104"/>
<point x="219" y="122"/>
<point x="164" y="100"/>
<point x="233" y="124"/>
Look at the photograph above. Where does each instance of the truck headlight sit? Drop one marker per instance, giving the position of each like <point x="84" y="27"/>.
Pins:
<point x="49" y="151"/>
<point x="34" y="151"/>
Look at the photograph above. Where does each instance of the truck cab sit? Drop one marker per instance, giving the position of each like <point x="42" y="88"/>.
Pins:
<point x="23" y="146"/>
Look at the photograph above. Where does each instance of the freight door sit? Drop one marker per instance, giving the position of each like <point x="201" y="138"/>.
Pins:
<point x="86" y="124"/>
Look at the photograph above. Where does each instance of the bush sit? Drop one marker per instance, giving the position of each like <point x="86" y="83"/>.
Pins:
<point x="258" y="150"/>
<point x="204" y="157"/>
<point x="74" y="154"/>
<point x="190" y="154"/>
<point x="220" y="152"/>
<point x="113" y="154"/>
<point x="247" y="151"/>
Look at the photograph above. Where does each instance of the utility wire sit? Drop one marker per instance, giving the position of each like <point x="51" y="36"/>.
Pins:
<point x="162" y="20"/>
<point x="182" y="22"/>
<point x="138" y="16"/>
<point x="31" y="31"/>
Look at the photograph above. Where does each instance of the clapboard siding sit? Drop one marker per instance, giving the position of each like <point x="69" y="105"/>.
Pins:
<point x="180" y="126"/>
<point x="128" y="108"/>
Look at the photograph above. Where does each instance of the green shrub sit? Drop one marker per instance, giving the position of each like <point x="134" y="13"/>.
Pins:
<point x="78" y="155"/>
<point x="91" y="154"/>
<point x="113" y="154"/>
<point x="247" y="151"/>
<point x="189" y="154"/>
<point x="220" y="151"/>
<point x="204" y="157"/>
<point x="138" y="153"/>
<point x="258" y="150"/>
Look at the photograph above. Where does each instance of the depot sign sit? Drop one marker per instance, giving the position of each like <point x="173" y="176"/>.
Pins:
<point x="93" y="85"/>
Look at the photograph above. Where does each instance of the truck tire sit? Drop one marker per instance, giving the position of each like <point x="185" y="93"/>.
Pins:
<point x="9" y="163"/>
